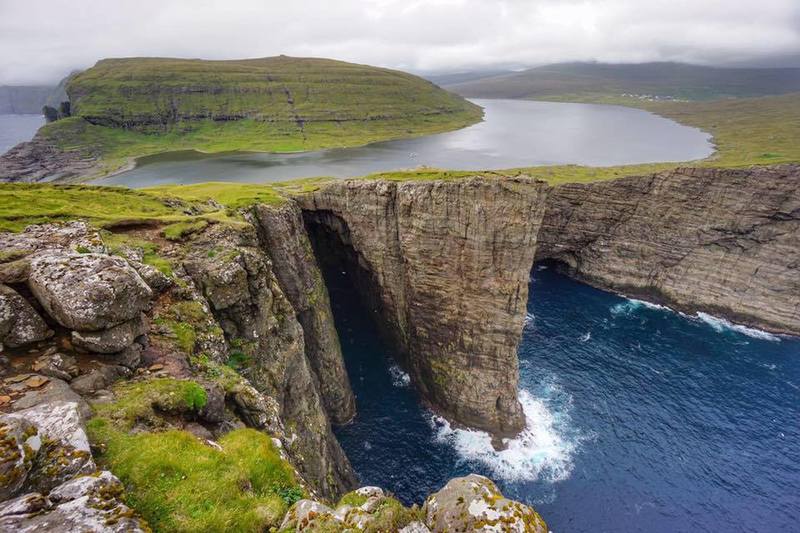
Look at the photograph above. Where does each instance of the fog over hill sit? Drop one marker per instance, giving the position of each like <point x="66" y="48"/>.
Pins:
<point x="661" y="80"/>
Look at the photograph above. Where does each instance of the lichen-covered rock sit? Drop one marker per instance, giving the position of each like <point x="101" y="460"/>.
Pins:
<point x="473" y="503"/>
<point x="415" y="527"/>
<point x="130" y="357"/>
<point x="303" y="513"/>
<point x="88" y="292"/>
<point x="19" y="322"/>
<point x="18" y="447"/>
<point x="154" y="278"/>
<point x="99" y="378"/>
<point x="111" y="340"/>
<point x="67" y="237"/>
<point x="86" y="504"/>
<point x="64" y="451"/>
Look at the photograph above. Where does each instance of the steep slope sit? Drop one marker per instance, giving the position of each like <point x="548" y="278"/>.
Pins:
<point x="126" y="108"/>
<point x="570" y="81"/>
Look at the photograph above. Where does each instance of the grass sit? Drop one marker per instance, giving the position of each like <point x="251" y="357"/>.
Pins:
<point x="178" y="483"/>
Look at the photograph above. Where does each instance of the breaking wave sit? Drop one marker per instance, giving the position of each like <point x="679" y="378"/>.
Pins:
<point x="632" y="305"/>
<point x="544" y="450"/>
<point x="721" y="325"/>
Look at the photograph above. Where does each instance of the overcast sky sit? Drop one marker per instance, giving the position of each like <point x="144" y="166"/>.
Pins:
<point x="43" y="40"/>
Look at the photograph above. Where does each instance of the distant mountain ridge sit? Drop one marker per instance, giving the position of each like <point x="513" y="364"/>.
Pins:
<point x="676" y="81"/>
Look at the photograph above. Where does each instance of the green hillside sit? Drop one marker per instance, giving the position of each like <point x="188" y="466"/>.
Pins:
<point x="126" y="108"/>
<point x="600" y="82"/>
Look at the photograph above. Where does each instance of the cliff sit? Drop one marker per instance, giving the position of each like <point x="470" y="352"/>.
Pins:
<point x="446" y="265"/>
<point x="722" y="241"/>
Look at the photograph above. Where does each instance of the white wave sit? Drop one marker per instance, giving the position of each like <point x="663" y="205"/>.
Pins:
<point x="631" y="305"/>
<point x="720" y="325"/>
<point x="542" y="451"/>
<point x="529" y="318"/>
<point x="586" y="336"/>
<point x="541" y="267"/>
<point x="399" y="378"/>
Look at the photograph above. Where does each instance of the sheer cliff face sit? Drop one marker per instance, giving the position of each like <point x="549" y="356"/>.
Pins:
<point x="446" y="264"/>
<point x="726" y="242"/>
<point x="248" y="301"/>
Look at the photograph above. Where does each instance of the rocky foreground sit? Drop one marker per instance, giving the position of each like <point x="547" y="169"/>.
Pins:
<point x="197" y="360"/>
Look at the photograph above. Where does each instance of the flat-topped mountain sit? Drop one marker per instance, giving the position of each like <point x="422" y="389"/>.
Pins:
<point x="121" y="109"/>
<point x="581" y="81"/>
<point x="139" y="92"/>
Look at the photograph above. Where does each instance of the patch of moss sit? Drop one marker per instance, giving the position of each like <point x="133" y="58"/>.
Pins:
<point x="352" y="498"/>
<point x="180" y="230"/>
<point x="177" y="483"/>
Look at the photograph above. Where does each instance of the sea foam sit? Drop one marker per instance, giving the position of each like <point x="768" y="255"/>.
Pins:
<point x="543" y="450"/>
<point x="720" y="325"/>
<point x="399" y="377"/>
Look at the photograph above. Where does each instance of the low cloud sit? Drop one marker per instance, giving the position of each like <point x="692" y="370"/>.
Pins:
<point x="43" y="40"/>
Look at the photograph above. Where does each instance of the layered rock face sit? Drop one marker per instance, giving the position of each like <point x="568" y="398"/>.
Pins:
<point x="446" y="266"/>
<point x="726" y="242"/>
<point x="284" y="238"/>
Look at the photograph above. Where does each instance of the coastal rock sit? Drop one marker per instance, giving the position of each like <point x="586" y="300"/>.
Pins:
<point x="155" y="279"/>
<point x="285" y="240"/>
<point x="20" y="324"/>
<point x="473" y="503"/>
<point x="86" y="504"/>
<point x="88" y="292"/>
<point x="98" y="379"/>
<point x="445" y="265"/>
<point x="42" y="157"/>
<point x="111" y="340"/>
<point x="55" y="390"/>
<point x="722" y="241"/>
<point x="56" y="365"/>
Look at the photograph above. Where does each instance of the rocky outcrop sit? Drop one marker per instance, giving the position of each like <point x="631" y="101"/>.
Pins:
<point x="446" y="266"/>
<point x="726" y="242"/>
<point x="44" y="158"/>
<point x="246" y="298"/>
<point x="284" y="238"/>
<point x="19" y="322"/>
<point x="473" y="503"/>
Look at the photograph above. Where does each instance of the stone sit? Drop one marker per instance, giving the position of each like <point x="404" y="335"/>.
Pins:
<point x="98" y="379"/>
<point x="55" y="390"/>
<point x="20" y="324"/>
<point x="111" y="340"/>
<point x="16" y="454"/>
<point x="199" y="431"/>
<point x="130" y="357"/>
<point x="474" y="503"/>
<point x="88" y="292"/>
<point x="214" y="409"/>
<point x="56" y="365"/>
<point x="370" y="492"/>
<point x="155" y="279"/>
<point x="15" y="271"/>
<point x="303" y="513"/>
<point x="86" y="504"/>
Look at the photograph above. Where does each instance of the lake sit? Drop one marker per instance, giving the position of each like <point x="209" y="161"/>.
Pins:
<point x="639" y="418"/>
<point x="15" y="129"/>
<point x="514" y="133"/>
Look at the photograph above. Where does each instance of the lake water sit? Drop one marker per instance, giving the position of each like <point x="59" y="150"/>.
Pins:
<point x="15" y="129"/>
<point x="639" y="418"/>
<point x="515" y="133"/>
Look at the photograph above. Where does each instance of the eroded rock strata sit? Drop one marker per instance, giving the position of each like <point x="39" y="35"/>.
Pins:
<point x="446" y="265"/>
<point x="726" y="242"/>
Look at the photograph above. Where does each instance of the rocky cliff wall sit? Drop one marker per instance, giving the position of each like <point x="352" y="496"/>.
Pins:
<point x="447" y="266"/>
<point x="726" y="242"/>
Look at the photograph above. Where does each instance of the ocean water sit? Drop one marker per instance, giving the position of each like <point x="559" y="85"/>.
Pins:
<point x="639" y="418"/>
<point x="15" y="129"/>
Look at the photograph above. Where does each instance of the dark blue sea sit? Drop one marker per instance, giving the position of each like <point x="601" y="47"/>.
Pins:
<point x="639" y="418"/>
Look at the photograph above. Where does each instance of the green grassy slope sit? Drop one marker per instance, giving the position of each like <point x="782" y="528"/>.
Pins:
<point x="597" y="81"/>
<point x="126" y="108"/>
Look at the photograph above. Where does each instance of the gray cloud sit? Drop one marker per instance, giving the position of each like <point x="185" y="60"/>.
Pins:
<point x="42" y="40"/>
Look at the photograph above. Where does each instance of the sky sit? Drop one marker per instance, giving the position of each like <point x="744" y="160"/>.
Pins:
<point x="43" y="40"/>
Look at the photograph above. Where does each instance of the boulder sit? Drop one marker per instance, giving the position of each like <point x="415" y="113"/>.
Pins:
<point x="55" y="390"/>
<point x="415" y="527"/>
<point x="111" y="340"/>
<point x="130" y="357"/>
<point x="154" y="278"/>
<point x="305" y="513"/>
<point x="18" y="446"/>
<point x="86" y="504"/>
<point x="19" y="322"/>
<point x="88" y="292"/>
<point x="214" y="409"/>
<point x="474" y="503"/>
<point x="99" y="378"/>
